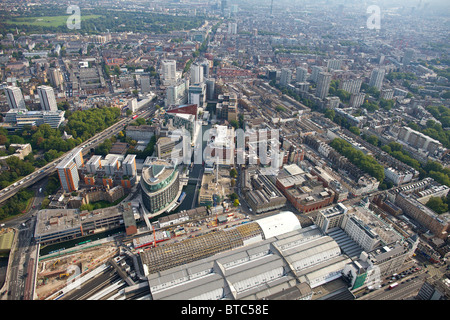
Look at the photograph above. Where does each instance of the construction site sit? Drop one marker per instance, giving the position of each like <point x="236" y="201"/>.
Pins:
<point x="56" y="272"/>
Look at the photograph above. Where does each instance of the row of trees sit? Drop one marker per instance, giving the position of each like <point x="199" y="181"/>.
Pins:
<point x="396" y="150"/>
<point x="366" y="163"/>
<point x="16" y="204"/>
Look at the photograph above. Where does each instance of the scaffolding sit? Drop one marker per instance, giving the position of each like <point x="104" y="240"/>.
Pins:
<point x="175" y="254"/>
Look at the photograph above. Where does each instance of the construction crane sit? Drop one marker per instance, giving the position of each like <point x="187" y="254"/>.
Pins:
<point x="55" y="263"/>
<point x="63" y="275"/>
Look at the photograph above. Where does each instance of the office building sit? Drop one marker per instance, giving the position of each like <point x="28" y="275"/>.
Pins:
<point x="197" y="94"/>
<point x="169" y="72"/>
<point x="221" y="145"/>
<point x="132" y="105"/>
<point x="205" y="67"/>
<point x="435" y="289"/>
<point x="323" y="84"/>
<point x="177" y="94"/>
<point x="164" y="147"/>
<point x="210" y="88"/>
<point x="159" y="184"/>
<point x="18" y="118"/>
<point x="224" y="5"/>
<point x="330" y="218"/>
<point x="47" y="98"/>
<point x="61" y="225"/>
<point x="360" y="232"/>
<point x="14" y="97"/>
<point x="226" y="107"/>
<point x="376" y="78"/>
<point x="196" y="73"/>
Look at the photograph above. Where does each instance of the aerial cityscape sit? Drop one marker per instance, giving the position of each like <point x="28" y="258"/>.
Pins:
<point x="237" y="150"/>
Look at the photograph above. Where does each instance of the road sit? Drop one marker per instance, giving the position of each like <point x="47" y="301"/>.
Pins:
<point x="88" y="145"/>
<point x="408" y="287"/>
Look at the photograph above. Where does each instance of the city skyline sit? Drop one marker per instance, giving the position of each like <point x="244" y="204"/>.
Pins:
<point x="225" y="150"/>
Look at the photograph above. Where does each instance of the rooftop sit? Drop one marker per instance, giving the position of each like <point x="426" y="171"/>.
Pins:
<point x="158" y="171"/>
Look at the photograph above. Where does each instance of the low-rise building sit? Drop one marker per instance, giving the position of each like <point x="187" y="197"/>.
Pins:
<point x="262" y="195"/>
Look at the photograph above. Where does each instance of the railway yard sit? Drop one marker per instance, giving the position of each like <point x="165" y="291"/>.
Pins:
<point x="109" y="269"/>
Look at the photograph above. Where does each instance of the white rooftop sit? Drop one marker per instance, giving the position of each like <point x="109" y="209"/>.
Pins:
<point x="278" y="224"/>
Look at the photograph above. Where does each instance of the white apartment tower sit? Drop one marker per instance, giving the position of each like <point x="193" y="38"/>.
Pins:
<point x="302" y="74"/>
<point x="47" y="98"/>
<point x="315" y="70"/>
<point x="376" y="78"/>
<point x="357" y="100"/>
<point x="351" y="85"/>
<point x="286" y="77"/>
<point x="334" y="64"/>
<point x="323" y="84"/>
<point x="15" y="98"/>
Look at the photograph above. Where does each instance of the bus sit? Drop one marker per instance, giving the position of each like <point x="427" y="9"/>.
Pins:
<point x="392" y="286"/>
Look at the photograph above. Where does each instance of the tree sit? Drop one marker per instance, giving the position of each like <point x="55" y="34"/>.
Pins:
<point x="329" y="113"/>
<point x="354" y="130"/>
<point x="236" y="203"/>
<point x="233" y="196"/>
<point x="234" y="124"/>
<point x="437" y="205"/>
<point x="233" y="173"/>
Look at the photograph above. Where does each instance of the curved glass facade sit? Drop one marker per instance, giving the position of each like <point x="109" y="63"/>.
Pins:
<point x="158" y="196"/>
<point x="160" y="185"/>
